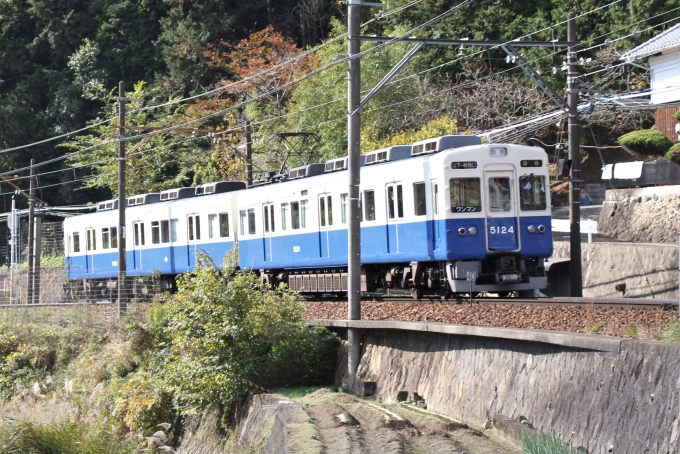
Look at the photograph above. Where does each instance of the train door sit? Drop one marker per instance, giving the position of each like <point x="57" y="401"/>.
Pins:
<point x="395" y="212"/>
<point x="501" y="211"/>
<point x="437" y="226"/>
<point x="137" y="243"/>
<point x="325" y="224"/>
<point x="269" y="229"/>
<point x="90" y="247"/>
<point x="193" y="237"/>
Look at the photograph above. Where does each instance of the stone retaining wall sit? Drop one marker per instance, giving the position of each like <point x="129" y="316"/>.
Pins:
<point x="646" y="270"/>
<point x="626" y="401"/>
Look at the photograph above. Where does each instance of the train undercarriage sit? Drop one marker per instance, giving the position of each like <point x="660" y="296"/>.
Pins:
<point x="504" y="275"/>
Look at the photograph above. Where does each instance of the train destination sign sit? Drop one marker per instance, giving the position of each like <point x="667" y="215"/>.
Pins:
<point x="464" y="165"/>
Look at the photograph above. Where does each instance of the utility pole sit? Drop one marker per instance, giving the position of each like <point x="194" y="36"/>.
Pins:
<point x="249" y="156"/>
<point x="31" y="234"/>
<point x="121" y="201"/>
<point x="354" y="154"/>
<point x="575" y="156"/>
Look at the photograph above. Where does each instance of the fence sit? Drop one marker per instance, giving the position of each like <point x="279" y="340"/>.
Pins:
<point x="53" y="287"/>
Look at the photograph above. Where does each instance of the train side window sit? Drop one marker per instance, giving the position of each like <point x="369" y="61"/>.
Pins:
<point x="251" y="221"/>
<point x="224" y="225"/>
<point x="325" y="210"/>
<point x="76" y="242"/>
<point x="242" y="218"/>
<point x="114" y="237"/>
<point x="190" y="227"/>
<point x="304" y="208"/>
<point x="212" y="220"/>
<point x="193" y="228"/>
<point x="465" y="195"/>
<point x="499" y="194"/>
<point x="344" y="199"/>
<point x="285" y="216"/>
<point x="435" y="198"/>
<point x="532" y="193"/>
<point x="295" y="215"/>
<point x="268" y="218"/>
<point x="91" y="240"/>
<point x="155" y="232"/>
<point x="369" y="205"/>
<point x="395" y="201"/>
<point x="138" y="233"/>
<point x="419" y="199"/>
<point x="105" y="238"/>
<point x="165" y="231"/>
<point x="173" y="229"/>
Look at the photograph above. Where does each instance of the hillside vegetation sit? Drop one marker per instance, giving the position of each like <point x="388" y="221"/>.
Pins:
<point x="76" y="386"/>
<point x="60" y="63"/>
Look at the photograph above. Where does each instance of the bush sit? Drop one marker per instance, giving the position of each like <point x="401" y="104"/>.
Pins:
<point x="673" y="154"/>
<point x="646" y="141"/>
<point x="676" y="115"/>
<point x="226" y="328"/>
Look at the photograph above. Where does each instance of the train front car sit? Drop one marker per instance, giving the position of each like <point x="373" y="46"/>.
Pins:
<point x="496" y="224"/>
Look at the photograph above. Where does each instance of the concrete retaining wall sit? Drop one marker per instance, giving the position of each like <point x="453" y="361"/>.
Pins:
<point x="647" y="270"/>
<point x="624" y="401"/>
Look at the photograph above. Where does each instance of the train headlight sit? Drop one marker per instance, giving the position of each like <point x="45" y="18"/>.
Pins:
<point x="461" y="231"/>
<point x="541" y="229"/>
<point x="472" y="231"/>
<point x="531" y="229"/>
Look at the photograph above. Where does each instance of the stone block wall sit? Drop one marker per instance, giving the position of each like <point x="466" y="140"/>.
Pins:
<point x="647" y="270"/>
<point x="623" y="402"/>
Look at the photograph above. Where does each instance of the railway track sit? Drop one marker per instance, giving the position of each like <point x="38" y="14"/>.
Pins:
<point x="622" y="303"/>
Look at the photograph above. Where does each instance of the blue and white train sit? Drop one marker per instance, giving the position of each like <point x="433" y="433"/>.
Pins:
<point x="442" y="216"/>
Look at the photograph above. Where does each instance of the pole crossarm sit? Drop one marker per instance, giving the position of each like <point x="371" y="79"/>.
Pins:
<point x="389" y="76"/>
<point x="464" y="42"/>
<point x="538" y="80"/>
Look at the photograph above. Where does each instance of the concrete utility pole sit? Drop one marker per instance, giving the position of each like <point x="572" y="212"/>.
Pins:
<point x="354" y="155"/>
<point x="122" y="269"/>
<point x="249" y="155"/>
<point x="31" y="234"/>
<point x="575" y="156"/>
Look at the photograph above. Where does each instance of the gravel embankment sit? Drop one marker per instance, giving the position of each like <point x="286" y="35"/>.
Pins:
<point x="629" y="323"/>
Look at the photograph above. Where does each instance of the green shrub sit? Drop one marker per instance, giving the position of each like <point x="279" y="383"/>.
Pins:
<point x="676" y="115"/>
<point x="646" y="141"/>
<point x="673" y="154"/>
<point x="547" y="444"/>
<point x="226" y="327"/>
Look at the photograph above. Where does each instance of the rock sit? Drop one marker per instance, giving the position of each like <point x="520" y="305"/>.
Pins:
<point x="487" y="424"/>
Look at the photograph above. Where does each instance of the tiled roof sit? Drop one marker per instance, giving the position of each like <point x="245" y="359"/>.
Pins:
<point x="665" y="40"/>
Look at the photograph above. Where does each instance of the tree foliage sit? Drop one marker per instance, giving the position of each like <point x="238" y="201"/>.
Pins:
<point x="646" y="141"/>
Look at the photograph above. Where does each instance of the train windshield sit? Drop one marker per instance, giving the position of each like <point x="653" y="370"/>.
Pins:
<point x="465" y="195"/>
<point x="532" y="193"/>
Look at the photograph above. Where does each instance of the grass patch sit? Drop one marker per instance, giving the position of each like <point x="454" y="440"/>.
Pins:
<point x="597" y="327"/>
<point x="632" y="331"/>
<point x="56" y="438"/>
<point x="547" y="444"/>
<point x="298" y="392"/>
<point x="672" y="334"/>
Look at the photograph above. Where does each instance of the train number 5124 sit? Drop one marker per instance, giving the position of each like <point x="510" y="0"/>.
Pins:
<point x="493" y="230"/>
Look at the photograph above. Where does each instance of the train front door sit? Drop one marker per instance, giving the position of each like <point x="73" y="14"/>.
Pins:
<point x="137" y="243"/>
<point x="395" y="212"/>
<point x="325" y="224"/>
<point x="193" y="237"/>
<point x="269" y="229"/>
<point x="501" y="210"/>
